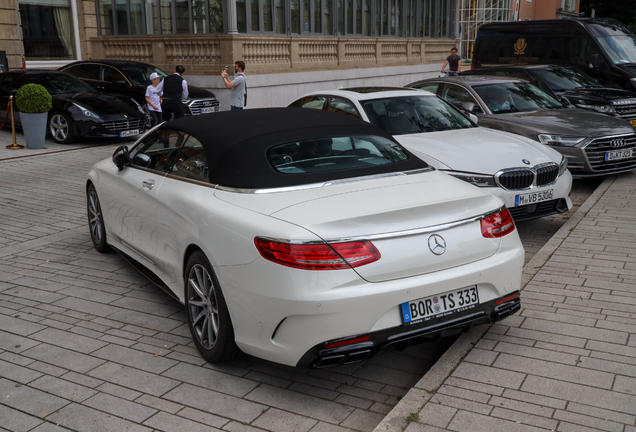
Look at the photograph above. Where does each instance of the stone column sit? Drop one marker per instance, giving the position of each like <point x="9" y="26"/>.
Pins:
<point x="11" y="33"/>
<point x="230" y="7"/>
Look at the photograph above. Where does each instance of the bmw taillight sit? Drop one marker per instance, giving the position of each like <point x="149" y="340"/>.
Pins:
<point x="321" y="256"/>
<point x="497" y="225"/>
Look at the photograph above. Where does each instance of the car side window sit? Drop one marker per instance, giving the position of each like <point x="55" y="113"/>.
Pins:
<point x="313" y="102"/>
<point x="157" y="150"/>
<point x="84" y="71"/>
<point x="430" y="87"/>
<point x="191" y="161"/>
<point x="458" y="95"/>
<point x="110" y="74"/>
<point x="9" y="82"/>
<point x="343" y="106"/>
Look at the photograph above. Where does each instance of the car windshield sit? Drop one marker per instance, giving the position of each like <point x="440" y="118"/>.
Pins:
<point x="559" y="79"/>
<point x="620" y="49"/>
<point x="140" y="75"/>
<point x="515" y="97"/>
<point x="56" y="83"/>
<point x="334" y="154"/>
<point x="414" y="114"/>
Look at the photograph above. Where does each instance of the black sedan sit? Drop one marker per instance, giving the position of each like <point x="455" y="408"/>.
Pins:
<point x="78" y="110"/>
<point x="571" y="86"/>
<point x="132" y="78"/>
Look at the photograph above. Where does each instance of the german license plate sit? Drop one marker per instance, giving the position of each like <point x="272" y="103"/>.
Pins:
<point x="633" y="122"/>
<point x="207" y="110"/>
<point x="618" y="154"/>
<point x="128" y="133"/>
<point x="534" y="197"/>
<point x="424" y="309"/>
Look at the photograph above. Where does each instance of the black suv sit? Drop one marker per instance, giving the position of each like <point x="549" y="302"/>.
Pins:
<point x="572" y="87"/>
<point x="131" y="78"/>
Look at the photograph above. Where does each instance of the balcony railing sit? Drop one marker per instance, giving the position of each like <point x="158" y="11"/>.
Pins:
<point x="203" y="54"/>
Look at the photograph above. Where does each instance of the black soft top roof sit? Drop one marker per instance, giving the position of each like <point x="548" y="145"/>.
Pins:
<point x="236" y="143"/>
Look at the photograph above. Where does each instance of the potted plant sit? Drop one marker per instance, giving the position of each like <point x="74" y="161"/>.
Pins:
<point x="34" y="102"/>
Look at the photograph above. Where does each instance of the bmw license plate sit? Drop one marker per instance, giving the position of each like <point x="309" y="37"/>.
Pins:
<point x="618" y="154"/>
<point x="424" y="309"/>
<point x="129" y="133"/>
<point x="534" y="197"/>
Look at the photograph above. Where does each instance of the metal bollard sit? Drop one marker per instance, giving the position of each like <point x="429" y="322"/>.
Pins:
<point x="15" y="145"/>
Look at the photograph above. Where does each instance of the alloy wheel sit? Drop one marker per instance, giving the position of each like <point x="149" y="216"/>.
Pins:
<point x="59" y="127"/>
<point x="95" y="217"/>
<point x="204" y="311"/>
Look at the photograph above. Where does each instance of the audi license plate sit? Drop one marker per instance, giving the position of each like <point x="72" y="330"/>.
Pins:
<point x="618" y="154"/>
<point x="129" y="133"/>
<point x="440" y="305"/>
<point x="207" y="110"/>
<point x="534" y="197"/>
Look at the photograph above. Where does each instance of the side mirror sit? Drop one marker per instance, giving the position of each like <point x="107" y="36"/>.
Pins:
<point x="468" y="106"/>
<point x="597" y="61"/>
<point x="121" y="157"/>
<point x="473" y="118"/>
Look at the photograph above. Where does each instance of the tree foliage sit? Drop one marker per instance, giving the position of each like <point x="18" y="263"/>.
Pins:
<point x="622" y="10"/>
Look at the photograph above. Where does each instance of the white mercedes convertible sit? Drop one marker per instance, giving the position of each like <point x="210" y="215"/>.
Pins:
<point x="304" y="237"/>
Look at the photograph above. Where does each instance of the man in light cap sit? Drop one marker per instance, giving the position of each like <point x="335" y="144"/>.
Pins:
<point x="153" y="99"/>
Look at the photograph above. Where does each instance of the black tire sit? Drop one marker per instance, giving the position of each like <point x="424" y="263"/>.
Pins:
<point x="208" y="316"/>
<point x="96" y="220"/>
<point x="61" y="127"/>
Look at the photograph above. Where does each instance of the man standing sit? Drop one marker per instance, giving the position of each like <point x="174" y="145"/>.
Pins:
<point x="174" y="89"/>
<point x="238" y="86"/>
<point x="454" y="62"/>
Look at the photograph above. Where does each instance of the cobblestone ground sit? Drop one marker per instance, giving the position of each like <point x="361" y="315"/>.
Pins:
<point x="89" y="344"/>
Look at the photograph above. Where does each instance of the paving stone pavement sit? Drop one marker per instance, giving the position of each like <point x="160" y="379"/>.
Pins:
<point x="85" y="340"/>
<point x="567" y="362"/>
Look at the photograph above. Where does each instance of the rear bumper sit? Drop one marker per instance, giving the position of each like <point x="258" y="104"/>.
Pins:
<point x="485" y="313"/>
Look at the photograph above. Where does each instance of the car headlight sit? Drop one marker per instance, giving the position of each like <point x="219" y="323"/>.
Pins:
<point x="481" y="180"/>
<point x="139" y="107"/>
<point x="86" y="111"/>
<point x="563" y="166"/>
<point x="559" y="140"/>
<point x="605" y="109"/>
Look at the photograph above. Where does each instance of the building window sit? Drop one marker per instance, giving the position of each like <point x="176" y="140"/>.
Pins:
<point x="132" y="17"/>
<point x="473" y="14"/>
<point x="48" y="31"/>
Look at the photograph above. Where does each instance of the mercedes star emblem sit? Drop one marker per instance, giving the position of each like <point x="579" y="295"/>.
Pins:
<point x="437" y="244"/>
<point x="525" y="161"/>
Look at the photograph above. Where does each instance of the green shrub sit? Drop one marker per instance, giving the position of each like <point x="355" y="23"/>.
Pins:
<point x="33" y="98"/>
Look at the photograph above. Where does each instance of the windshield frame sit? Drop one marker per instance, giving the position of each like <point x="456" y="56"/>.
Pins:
<point x="373" y="117"/>
<point x="535" y="89"/>
<point x="49" y="77"/>
<point x="125" y="70"/>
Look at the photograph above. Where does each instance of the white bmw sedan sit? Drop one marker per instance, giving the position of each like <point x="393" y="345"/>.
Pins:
<point x="304" y="237"/>
<point x="531" y="178"/>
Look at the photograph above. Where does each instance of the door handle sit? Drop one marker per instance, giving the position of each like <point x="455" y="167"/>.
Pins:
<point x="100" y="87"/>
<point x="148" y="184"/>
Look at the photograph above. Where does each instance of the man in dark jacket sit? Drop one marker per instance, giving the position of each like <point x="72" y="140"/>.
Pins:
<point x="174" y="88"/>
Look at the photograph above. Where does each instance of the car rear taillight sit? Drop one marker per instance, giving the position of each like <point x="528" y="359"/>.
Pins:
<point x="320" y="256"/>
<point x="497" y="225"/>
<point x="349" y="341"/>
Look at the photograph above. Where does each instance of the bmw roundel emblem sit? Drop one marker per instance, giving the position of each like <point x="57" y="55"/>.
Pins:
<point x="525" y="161"/>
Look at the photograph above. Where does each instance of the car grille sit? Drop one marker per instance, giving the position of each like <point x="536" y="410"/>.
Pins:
<point x="196" y="106"/>
<point x="524" y="178"/>
<point x="626" y="111"/>
<point x="124" y="125"/>
<point x="598" y="147"/>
